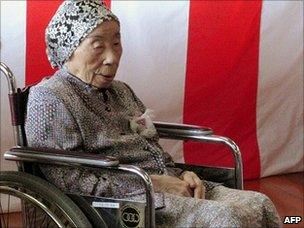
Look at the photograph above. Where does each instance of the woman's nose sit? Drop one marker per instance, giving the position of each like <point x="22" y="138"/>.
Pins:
<point x="110" y="57"/>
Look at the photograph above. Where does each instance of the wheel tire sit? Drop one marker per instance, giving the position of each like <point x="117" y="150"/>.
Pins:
<point x="51" y="196"/>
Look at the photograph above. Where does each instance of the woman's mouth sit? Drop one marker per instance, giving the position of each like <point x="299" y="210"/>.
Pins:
<point x="108" y="76"/>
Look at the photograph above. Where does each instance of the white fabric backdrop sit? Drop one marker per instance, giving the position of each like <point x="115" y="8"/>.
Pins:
<point x="154" y="64"/>
<point x="13" y="14"/>
<point x="280" y="88"/>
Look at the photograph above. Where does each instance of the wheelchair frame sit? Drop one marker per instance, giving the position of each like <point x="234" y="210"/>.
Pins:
<point x="21" y="153"/>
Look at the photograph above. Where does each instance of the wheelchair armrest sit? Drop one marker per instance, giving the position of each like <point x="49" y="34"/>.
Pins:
<point x="59" y="157"/>
<point x="180" y="131"/>
<point x="202" y="134"/>
<point x="71" y="158"/>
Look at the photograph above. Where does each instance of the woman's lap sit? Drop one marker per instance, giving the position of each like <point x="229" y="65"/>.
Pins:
<point x="223" y="207"/>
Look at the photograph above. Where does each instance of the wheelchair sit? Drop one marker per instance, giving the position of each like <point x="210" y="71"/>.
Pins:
<point x="44" y="205"/>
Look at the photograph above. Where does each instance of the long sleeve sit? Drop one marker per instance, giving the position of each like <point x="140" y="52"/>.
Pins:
<point x="50" y="125"/>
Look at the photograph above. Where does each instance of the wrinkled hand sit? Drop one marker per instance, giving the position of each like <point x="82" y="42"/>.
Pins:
<point x="195" y="183"/>
<point x="172" y="185"/>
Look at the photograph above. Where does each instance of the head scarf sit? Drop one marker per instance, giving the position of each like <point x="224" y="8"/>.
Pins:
<point x="73" y="21"/>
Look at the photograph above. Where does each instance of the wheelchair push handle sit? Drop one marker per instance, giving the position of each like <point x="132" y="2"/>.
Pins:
<point x="9" y="77"/>
<point x="14" y="95"/>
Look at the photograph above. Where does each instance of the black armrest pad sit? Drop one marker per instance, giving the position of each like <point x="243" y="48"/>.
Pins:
<point x="185" y="127"/>
<point x="181" y="131"/>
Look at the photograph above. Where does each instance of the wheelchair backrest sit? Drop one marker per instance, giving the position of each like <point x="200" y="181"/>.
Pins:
<point x="18" y="101"/>
<point x="18" y="104"/>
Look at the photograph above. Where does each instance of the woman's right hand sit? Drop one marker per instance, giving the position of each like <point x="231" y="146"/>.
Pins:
<point x="172" y="185"/>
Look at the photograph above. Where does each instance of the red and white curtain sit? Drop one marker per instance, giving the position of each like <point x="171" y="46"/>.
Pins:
<point x="234" y="66"/>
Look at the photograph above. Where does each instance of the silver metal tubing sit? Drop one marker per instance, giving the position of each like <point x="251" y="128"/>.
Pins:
<point x="203" y="134"/>
<point x="236" y="154"/>
<point x="12" y="88"/>
<point x="22" y="195"/>
<point x="10" y="78"/>
<point x="233" y="148"/>
<point x="61" y="158"/>
<point x="150" y="210"/>
<point x="19" y="140"/>
<point x="174" y="129"/>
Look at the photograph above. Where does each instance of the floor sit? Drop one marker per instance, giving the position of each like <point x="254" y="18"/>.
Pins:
<point x="286" y="192"/>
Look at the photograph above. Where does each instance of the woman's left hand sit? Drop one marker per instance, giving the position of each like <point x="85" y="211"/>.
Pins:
<point x="196" y="184"/>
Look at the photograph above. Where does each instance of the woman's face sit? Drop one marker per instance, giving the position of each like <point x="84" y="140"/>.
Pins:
<point x="96" y="59"/>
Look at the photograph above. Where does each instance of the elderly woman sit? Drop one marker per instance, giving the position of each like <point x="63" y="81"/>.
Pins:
<point x="82" y="108"/>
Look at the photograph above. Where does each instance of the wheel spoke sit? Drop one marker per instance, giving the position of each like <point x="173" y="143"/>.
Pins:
<point x="44" y="220"/>
<point x="2" y="215"/>
<point x="7" y="211"/>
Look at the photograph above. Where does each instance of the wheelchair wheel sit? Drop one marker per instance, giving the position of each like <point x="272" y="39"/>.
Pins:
<point x="43" y="205"/>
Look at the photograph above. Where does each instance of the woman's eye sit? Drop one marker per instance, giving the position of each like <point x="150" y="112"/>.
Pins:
<point x="97" y="45"/>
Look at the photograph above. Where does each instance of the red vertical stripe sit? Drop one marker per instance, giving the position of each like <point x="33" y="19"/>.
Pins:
<point x="108" y="3"/>
<point x="38" y="16"/>
<point x="221" y="79"/>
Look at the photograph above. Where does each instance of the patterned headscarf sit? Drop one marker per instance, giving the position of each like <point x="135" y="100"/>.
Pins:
<point x="72" y="22"/>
